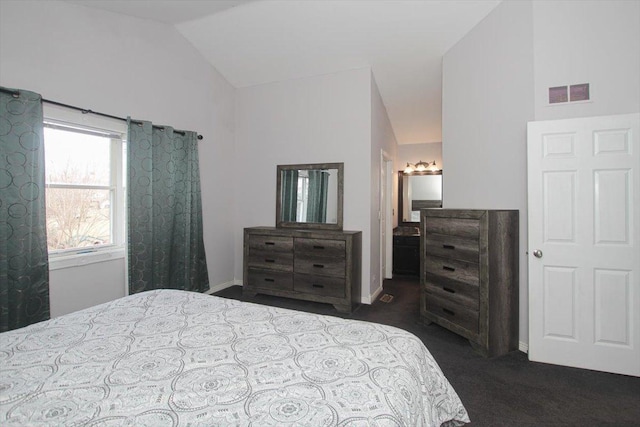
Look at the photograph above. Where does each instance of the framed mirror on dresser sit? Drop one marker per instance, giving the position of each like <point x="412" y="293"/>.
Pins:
<point x="310" y="196"/>
<point x="307" y="255"/>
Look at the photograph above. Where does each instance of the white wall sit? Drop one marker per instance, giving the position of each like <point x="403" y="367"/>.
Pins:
<point x="323" y="119"/>
<point x="126" y="66"/>
<point x="487" y="101"/>
<point x="596" y="42"/>
<point x="382" y="138"/>
<point x="496" y="79"/>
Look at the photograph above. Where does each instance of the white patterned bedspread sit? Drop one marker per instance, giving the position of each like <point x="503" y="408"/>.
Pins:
<point x="168" y="358"/>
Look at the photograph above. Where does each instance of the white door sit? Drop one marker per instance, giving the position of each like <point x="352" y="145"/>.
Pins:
<point x="584" y="243"/>
<point x="386" y="229"/>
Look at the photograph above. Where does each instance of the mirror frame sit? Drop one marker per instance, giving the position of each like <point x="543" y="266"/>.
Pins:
<point x="310" y="225"/>
<point x="401" y="175"/>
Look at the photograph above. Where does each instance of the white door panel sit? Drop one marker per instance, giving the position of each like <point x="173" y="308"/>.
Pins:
<point x="583" y="205"/>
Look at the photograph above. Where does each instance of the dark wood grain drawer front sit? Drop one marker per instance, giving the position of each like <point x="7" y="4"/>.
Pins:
<point x="271" y="260"/>
<point x="462" y="316"/>
<point x="270" y="243"/>
<point x="319" y="285"/>
<point x="453" y="270"/>
<point x="265" y="279"/>
<point x="323" y="266"/>
<point x="453" y="247"/>
<point x="462" y="227"/>
<point x="461" y="293"/>
<point x="320" y="247"/>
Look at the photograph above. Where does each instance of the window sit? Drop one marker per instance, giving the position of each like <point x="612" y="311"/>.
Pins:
<point x="85" y="195"/>
<point x="303" y="196"/>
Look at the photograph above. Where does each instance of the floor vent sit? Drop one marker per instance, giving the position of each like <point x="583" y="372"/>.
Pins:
<point x="386" y="298"/>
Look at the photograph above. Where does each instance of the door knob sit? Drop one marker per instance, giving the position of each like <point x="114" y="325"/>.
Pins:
<point x="537" y="253"/>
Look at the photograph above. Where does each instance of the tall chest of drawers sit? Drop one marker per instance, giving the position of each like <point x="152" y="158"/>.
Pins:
<point x="469" y="275"/>
<point x="322" y="266"/>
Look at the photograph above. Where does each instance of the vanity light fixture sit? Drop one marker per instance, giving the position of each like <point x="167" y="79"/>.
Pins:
<point x="421" y="167"/>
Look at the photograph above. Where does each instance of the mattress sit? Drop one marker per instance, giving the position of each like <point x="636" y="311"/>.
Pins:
<point x="176" y="358"/>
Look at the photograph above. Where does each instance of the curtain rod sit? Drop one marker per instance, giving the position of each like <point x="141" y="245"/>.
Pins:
<point x="16" y="93"/>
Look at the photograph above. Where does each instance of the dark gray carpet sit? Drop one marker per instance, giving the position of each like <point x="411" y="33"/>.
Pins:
<point x="502" y="391"/>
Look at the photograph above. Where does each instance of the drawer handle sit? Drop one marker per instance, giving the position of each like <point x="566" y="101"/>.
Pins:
<point x="318" y="265"/>
<point x="444" y="267"/>
<point x="270" y="243"/>
<point x="315" y="285"/>
<point x="318" y="247"/>
<point x="452" y="291"/>
<point x="269" y="260"/>
<point x="266" y="279"/>
<point x="448" y="246"/>
<point x="449" y="312"/>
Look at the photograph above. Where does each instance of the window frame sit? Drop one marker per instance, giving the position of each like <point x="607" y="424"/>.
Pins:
<point x="73" y="121"/>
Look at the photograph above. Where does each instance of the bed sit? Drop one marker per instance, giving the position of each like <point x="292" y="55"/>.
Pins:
<point x="169" y="358"/>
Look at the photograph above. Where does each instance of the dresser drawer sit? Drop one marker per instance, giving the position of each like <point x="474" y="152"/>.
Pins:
<point x="323" y="266"/>
<point x="265" y="279"/>
<point x="320" y="247"/>
<point x="462" y="316"/>
<point x="270" y="243"/>
<point x="460" y="293"/>
<point x="453" y="270"/>
<point x="462" y="227"/>
<point x="319" y="285"/>
<point x="452" y="247"/>
<point x="271" y="260"/>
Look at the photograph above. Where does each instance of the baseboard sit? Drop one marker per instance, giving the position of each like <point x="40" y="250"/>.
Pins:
<point x="216" y="288"/>
<point x="371" y="298"/>
<point x="523" y="347"/>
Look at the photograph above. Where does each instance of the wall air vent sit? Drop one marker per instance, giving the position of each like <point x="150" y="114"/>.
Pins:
<point x="558" y="94"/>
<point x="579" y="92"/>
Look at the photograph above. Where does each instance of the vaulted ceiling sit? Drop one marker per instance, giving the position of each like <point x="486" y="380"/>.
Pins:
<point x="252" y="42"/>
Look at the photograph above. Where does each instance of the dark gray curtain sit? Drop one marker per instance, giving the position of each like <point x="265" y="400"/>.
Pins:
<point x="290" y="195"/>
<point x="24" y="265"/>
<point x="317" y="204"/>
<point x="166" y="248"/>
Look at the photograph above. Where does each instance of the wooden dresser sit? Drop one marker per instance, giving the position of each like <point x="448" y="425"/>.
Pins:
<point x="469" y="275"/>
<point x="314" y="265"/>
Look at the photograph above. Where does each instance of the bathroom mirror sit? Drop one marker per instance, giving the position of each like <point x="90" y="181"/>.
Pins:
<point x="310" y="196"/>
<point x="418" y="190"/>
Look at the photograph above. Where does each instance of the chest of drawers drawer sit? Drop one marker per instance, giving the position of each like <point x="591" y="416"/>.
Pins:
<point x="462" y="316"/>
<point x="452" y="247"/>
<point x="323" y="266"/>
<point x="319" y="285"/>
<point x="269" y="279"/>
<point x="461" y="227"/>
<point x="271" y="260"/>
<point x="263" y="243"/>
<point x="451" y="270"/>
<point x="319" y="248"/>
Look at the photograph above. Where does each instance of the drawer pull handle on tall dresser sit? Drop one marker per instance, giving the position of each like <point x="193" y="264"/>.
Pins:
<point x="445" y="267"/>
<point x="270" y="243"/>
<point x="449" y="312"/>
<point x="315" y="285"/>
<point x="451" y="291"/>
<point x="448" y="246"/>
<point x="318" y="265"/>
<point x="318" y="247"/>
<point x="266" y="279"/>
<point x="269" y="260"/>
